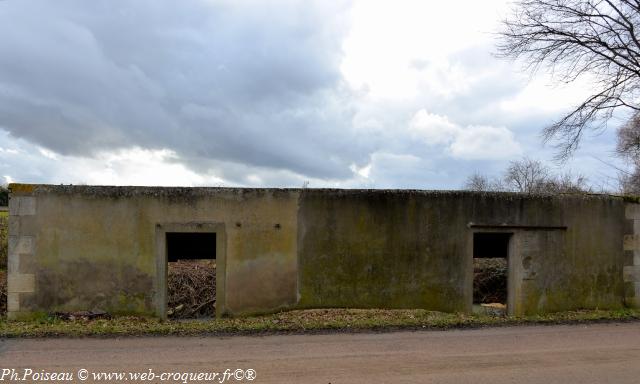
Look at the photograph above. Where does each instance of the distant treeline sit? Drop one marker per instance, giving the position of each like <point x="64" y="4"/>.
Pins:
<point x="4" y="196"/>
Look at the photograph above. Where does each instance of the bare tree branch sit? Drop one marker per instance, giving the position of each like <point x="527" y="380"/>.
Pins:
<point x="529" y="176"/>
<point x="574" y="38"/>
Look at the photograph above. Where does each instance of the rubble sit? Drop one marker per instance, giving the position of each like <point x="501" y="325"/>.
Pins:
<point x="81" y="315"/>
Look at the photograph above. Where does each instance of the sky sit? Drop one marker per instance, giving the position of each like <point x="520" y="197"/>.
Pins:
<point x="344" y="94"/>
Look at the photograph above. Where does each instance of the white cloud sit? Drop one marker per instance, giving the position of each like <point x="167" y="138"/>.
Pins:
<point x="485" y="142"/>
<point x="9" y="151"/>
<point x="361" y="171"/>
<point x="433" y="128"/>
<point x="47" y="153"/>
<point x="396" y="47"/>
<point x="469" y="142"/>
<point x="541" y="97"/>
<point x="137" y="166"/>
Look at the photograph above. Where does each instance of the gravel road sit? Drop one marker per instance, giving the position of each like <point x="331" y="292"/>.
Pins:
<point x="600" y="353"/>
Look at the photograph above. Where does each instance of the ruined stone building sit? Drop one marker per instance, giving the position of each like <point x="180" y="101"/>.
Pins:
<point x="82" y="247"/>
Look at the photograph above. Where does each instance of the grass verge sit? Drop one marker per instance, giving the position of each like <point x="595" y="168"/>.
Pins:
<point x="300" y="321"/>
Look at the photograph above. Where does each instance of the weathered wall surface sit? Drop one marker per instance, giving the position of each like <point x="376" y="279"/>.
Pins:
<point x="413" y="249"/>
<point x="382" y="249"/>
<point x="632" y="255"/>
<point x="576" y="268"/>
<point x="83" y="247"/>
<point x="93" y="247"/>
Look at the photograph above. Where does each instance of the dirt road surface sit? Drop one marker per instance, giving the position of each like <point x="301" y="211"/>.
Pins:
<point x="602" y="353"/>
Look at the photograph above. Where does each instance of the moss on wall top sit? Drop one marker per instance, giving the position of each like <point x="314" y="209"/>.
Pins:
<point x="184" y="192"/>
<point x="169" y="193"/>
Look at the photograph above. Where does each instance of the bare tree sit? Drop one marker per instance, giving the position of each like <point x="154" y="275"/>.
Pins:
<point x="529" y="176"/>
<point x="567" y="183"/>
<point x="526" y="175"/>
<point x="629" y="182"/>
<point x="628" y="144"/>
<point x="628" y="148"/>
<point x="479" y="182"/>
<point x="573" y="38"/>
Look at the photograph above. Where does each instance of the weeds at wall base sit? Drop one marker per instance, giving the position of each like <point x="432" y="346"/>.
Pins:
<point x="300" y="321"/>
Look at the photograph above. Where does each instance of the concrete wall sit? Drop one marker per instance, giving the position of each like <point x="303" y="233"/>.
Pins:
<point x="78" y="248"/>
<point x="632" y="255"/>
<point x="83" y="247"/>
<point x="412" y="249"/>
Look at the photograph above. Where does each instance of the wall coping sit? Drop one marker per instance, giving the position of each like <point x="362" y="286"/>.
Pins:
<point x="131" y="191"/>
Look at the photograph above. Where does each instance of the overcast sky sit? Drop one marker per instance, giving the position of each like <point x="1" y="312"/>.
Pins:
<point x="362" y="94"/>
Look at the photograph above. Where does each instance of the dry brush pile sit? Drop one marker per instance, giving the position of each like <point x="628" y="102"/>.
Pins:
<point x="191" y="290"/>
<point x="490" y="280"/>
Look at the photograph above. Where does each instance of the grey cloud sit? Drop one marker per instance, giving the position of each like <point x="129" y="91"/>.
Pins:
<point x="236" y="89"/>
<point x="250" y="82"/>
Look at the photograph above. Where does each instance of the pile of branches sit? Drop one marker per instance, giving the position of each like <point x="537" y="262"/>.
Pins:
<point x="191" y="290"/>
<point x="81" y="315"/>
<point x="490" y="280"/>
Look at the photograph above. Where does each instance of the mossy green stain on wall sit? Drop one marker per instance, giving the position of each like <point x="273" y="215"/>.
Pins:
<point x="579" y="268"/>
<point x="96" y="250"/>
<point x="409" y="249"/>
<point x="320" y="248"/>
<point x="377" y="250"/>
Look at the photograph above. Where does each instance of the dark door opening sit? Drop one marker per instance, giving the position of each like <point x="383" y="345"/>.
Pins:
<point x="191" y="274"/>
<point x="490" y="272"/>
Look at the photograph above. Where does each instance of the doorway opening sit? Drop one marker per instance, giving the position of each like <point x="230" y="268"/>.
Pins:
<point x="191" y="274"/>
<point x="490" y="272"/>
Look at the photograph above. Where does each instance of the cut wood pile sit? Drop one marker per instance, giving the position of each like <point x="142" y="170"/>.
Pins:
<point x="191" y="287"/>
<point x="490" y="280"/>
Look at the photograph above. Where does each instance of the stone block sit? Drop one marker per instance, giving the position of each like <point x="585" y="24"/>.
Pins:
<point x="13" y="263"/>
<point x="22" y="206"/>
<point x="13" y="302"/>
<point x="631" y="242"/>
<point x="628" y="257"/>
<point x="21" y="282"/>
<point x="22" y="225"/>
<point x="631" y="273"/>
<point x="14" y="225"/>
<point x="632" y="211"/>
<point x="20" y="245"/>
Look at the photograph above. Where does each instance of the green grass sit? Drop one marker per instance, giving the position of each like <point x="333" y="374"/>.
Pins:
<point x="4" y="214"/>
<point x="302" y="321"/>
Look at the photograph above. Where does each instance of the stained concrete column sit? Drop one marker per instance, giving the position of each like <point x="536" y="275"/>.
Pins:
<point x="631" y="272"/>
<point x="21" y="277"/>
